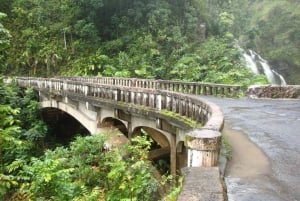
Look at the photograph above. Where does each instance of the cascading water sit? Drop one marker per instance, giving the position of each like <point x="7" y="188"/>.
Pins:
<point x="283" y="82"/>
<point x="250" y="63"/>
<point x="258" y="65"/>
<point x="267" y="71"/>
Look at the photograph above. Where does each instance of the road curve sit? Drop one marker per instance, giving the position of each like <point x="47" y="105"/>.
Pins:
<point x="274" y="127"/>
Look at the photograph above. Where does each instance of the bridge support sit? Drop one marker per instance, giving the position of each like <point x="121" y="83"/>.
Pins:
<point x="203" y="147"/>
<point x="173" y="157"/>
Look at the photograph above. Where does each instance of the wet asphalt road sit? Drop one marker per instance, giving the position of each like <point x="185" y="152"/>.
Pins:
<point x="274" y="126"/>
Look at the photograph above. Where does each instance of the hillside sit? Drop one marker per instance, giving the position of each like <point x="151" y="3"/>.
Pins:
<point x="190" y="40"/>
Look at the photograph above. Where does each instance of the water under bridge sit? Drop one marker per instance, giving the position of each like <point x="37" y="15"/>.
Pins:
<point x="187" y="129"/>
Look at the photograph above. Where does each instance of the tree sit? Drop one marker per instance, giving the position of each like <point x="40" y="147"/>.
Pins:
<point x="21" y="134"/>
<point x="128" y="38"/>
<point x="4" y="43"/>
<point x="226" y="22"/>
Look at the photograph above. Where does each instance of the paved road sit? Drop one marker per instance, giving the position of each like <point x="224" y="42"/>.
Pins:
<point x="274" y="126"/>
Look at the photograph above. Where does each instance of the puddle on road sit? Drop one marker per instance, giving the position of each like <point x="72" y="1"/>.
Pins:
<point x="248" y="161"/>
<point x="248" y="175"/>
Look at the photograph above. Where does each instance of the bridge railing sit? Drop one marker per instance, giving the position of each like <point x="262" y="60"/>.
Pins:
<point x="200" y="111"/>
<point x="176" y="86"/>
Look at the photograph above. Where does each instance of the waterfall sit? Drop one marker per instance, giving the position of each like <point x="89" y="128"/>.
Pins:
<point x="258" y="65"/>
<point x="283" y="82"/>
<point x="267" y="71"/>
<point x="250" y="63"/>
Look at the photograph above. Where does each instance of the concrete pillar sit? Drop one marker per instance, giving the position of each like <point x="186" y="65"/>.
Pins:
<point x="203" y="147"/>
<point x="173" y="156"/>
<point x="98" y="118"/>
<point x="129" y="128"/>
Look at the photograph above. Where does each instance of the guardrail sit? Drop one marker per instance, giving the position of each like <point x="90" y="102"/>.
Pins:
<point x="176" y="86"/>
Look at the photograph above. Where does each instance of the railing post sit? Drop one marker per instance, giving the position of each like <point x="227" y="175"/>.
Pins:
<point x="204" y="90"/>
<point x="210" y="90"/>
<point x="222" y="91"/>
<point x="187" y="109"/>
<point x="236" y="91"/>
<point x="138" y="98"/>
<point x="158" y="102"/>
<point x="180" y="107"/>
<point x="203" y="147"/>
<point x="132" y="97"/>
<point x="152" y="100"/>
<point x="157" y="85"/>
<point x="116" y="94"/>
<point x="174" y="104"/>
<point x="127" y="96"/>
<point x="168" y="103"/>
<point x="145" y="101"/>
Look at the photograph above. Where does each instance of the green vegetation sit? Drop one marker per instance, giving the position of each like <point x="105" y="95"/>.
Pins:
<point x="227" y="148"/>
<point x="273" y="31"/>
<point x="84" y="170"/>
<point x="162" y="39"/>
<point x="4" y="42"/>
<point x="21" y="133"/>
<point x="191" y="123"/>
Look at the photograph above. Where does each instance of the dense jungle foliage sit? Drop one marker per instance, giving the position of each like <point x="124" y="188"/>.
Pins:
<point x="275" y="33"/>
<point x="163" y="39"/>
<point x="33" y="169"/>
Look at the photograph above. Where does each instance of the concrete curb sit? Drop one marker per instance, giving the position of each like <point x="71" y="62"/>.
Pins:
<point x="202" y="184"/>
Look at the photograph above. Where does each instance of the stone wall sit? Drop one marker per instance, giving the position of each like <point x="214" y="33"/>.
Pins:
<point x="272" y="91"/>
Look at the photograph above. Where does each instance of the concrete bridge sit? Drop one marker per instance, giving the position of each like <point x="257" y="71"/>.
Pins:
<point x="185" y="128"/>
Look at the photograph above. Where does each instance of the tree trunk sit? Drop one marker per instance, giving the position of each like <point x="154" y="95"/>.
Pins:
<point x="65" y="40"/>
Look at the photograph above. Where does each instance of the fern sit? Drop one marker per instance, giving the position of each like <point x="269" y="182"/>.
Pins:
<point x="16" y="165"/>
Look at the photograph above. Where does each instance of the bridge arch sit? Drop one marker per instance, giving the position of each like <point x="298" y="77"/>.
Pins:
<point x="62" y="127"/>
<point x="160" y="150"/>
<point x="116" y="123"/>
<point x="89" y="124"/>
<point x="161" y="138"/>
